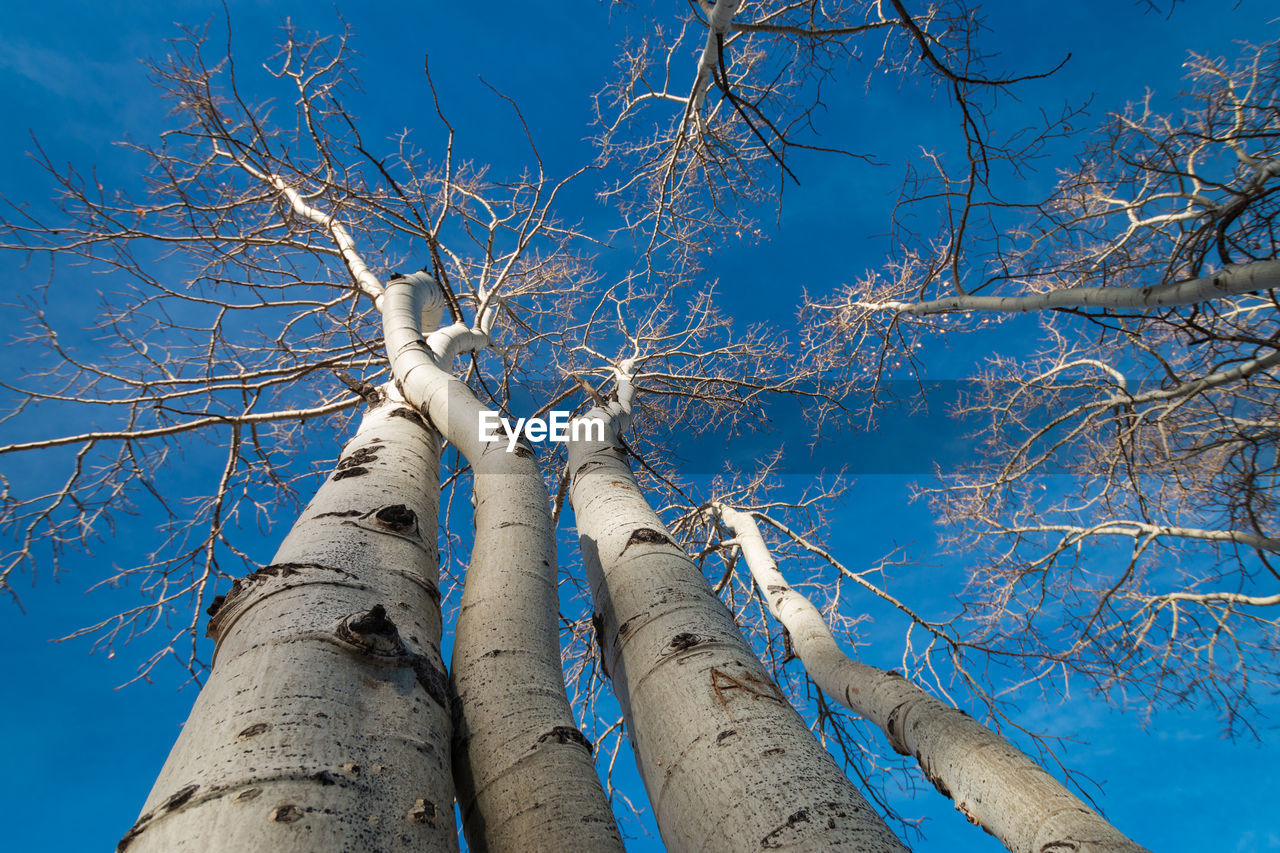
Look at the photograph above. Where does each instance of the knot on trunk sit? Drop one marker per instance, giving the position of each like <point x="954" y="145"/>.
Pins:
<point x="567" y="734"/>
<point x="398" y="518"/>
<point x="423" y="811"/>
<point x="373" y="632"/>
<point x="684" y="641"/>
<point x="647" y="536"/>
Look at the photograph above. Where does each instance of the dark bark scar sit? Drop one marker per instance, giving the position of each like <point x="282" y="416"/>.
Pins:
<point x="630" y="624"/>
<point x="567" y="734"/>
<point x="597" y="629"/>
<point x="174" y="801"/>
<point x="722" y="683"/>
<point x="793" y="831"/>
<point x="397" y="517"/>
<point x="684" y="641"/>
<point x="285" y="813"/>
<point x="647" y="536"/>
<point x="409" y="415"/>
<point x="423" y="811"/>
<point x="771" y="839"/>
<point x="240" y="585"/>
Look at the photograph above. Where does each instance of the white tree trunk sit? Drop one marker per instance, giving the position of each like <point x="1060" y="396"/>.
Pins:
<point x="727" y="762"/>
<point x="324" y="724"/>
<point x="719" y="21"/>
<point x="1254" y="277"/>
<point x="991" y="781"/>
<point x="525" y="775"/>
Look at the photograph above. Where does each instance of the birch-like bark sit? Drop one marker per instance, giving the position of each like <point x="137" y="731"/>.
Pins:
<point x="719" y="21"/>
<point x="523" y="770"/>
<point x="991" y="781"/>
<point x="525" y="776"/>
<point x="727" y="762"/>
<point x="1233" y="281"/>
<point x="324" y="724"/>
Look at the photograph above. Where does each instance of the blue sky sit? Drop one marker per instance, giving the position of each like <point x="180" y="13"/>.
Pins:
<point x="70" y="73"/>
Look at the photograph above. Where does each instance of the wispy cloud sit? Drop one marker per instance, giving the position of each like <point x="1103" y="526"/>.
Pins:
<point x="68" y="76"/>
<point x="1251" y="841"/>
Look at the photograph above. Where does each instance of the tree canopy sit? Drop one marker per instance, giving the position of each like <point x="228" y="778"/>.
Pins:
<point x="979" y="331"/>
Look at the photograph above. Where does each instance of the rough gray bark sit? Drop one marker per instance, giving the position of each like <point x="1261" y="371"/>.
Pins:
<point x="727" y="762"/>
<point x="993" y="783"/>
<point x="324" y="723"/>
<point x="525" y="775"/>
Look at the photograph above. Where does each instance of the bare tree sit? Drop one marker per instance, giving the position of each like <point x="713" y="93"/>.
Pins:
<point x="992" y="782"/>
<point x="247" y="206"/>
<point x="328" y="706"/>
<point x="710" y="728"/>
<point x="725" y="127"/>
<point x="1152" y="267"/>
<point x="260" y="215"/>
<point x="257" y="297"/>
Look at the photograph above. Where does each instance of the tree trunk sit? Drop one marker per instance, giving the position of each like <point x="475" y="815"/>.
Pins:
<point x="324" y="724"/>
<point x="525" y="775"/>
<point x="1235" y="279"/>
<point x="728" y="763"/>
<point x="991" y="781"/>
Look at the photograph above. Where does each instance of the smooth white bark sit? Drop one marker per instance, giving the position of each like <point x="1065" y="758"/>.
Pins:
<point x="991" y="781"/>
<point x="719" y="21"/>
<point x="525" y="776"/>
<point x="727" y="762"/>
<point x="1232" y="281"/>
<point x="324" y="724"/>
